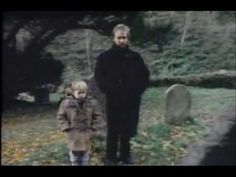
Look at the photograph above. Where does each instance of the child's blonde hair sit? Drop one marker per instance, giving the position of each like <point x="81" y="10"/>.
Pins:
<point x="70" y="87"/>
<point x="79" y="85"/>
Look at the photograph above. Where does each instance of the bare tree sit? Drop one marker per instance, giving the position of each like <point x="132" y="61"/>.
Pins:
<point x="186" y="25"/>
<point x="170" y="17"/>
<point x="88" y="38"/>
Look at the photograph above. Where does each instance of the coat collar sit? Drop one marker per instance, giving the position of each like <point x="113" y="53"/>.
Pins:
<point x="75" y="102"/>
<point x="120" y="49"/>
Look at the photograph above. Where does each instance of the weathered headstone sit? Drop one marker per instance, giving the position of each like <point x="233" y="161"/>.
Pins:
<point x="100" y="98"/>
<point x="177" y="104"/>
<point x="96" y="93"/>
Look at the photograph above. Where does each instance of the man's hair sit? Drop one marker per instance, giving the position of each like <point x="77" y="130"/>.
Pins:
<point x="121" y="27"/>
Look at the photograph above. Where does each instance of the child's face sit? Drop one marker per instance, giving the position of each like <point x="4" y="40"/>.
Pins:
<point x="78" y="94"/>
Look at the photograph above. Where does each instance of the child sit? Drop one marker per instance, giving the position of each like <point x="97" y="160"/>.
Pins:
<point x="78" y="117"/>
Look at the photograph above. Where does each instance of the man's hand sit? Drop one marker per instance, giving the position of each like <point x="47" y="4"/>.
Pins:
<point x="66" y="130"/>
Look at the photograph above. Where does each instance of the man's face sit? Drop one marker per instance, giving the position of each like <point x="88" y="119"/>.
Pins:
<point x="121" y="38"/>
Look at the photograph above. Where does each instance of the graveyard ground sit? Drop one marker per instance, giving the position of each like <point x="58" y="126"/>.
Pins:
<point x="30" y="135"/>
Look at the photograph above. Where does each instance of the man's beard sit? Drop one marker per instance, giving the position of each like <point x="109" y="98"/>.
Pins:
<point x="123" y="45"/>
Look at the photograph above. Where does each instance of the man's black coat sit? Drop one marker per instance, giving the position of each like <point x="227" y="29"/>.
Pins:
<point x="121" y="74"/>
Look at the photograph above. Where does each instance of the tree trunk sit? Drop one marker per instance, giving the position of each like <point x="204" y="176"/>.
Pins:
<point x="170" y="17"/>
<point x="89" y="50"/>
<point x="41" y="96"/>
<point x="186" y="25"/>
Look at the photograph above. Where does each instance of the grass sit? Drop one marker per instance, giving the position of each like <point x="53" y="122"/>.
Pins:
<point x="30" y="135"/>
<point x="49" y="154"/>
<point x="161" y="144"/>
<point x="164" y="144"/>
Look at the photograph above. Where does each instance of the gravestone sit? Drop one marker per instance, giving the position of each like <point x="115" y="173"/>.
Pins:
<point x="95" y="92"/>
<point x="177" y="104"/>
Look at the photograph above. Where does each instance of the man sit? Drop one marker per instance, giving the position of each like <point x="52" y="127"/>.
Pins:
<point x="122" y="76"/>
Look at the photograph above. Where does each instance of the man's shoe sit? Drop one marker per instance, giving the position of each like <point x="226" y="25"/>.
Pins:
<point x="128" y="161"/>
<point x="110" y="163"/>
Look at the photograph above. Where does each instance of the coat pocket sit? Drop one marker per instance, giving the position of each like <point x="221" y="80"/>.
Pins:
<point x="78" y="140"/>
